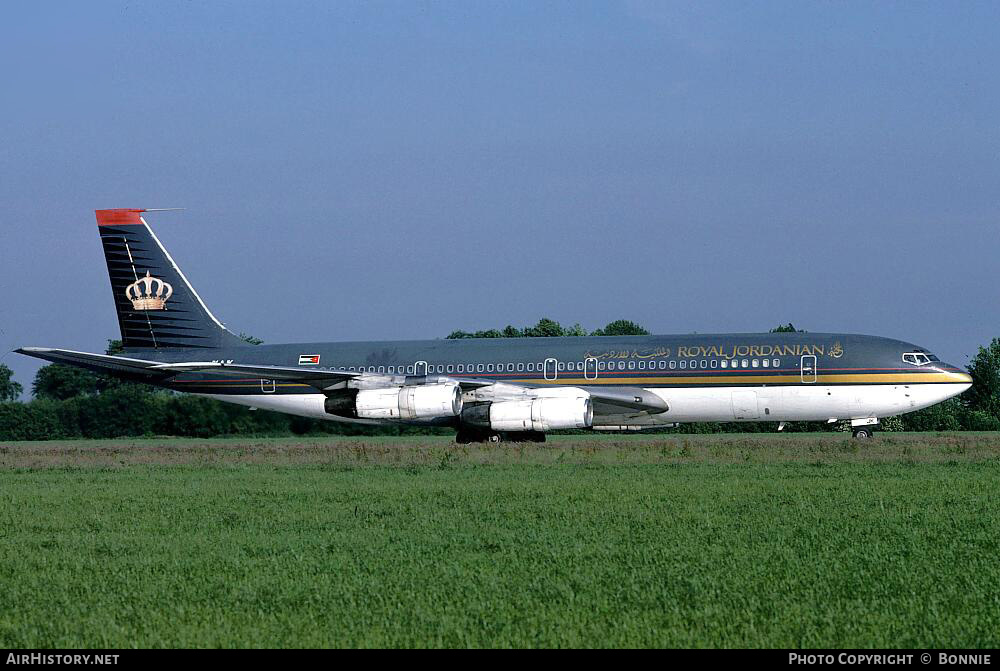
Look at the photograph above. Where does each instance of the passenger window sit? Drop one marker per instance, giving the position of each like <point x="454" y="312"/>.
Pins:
<point x="531" y="366"/>
<point x="765" y="362"/>
<point x="745" y="362"/>
<point x="631" y="365"/>
<point x="715" y="363"/>
<point x="510" y="368"/>
<point x="725" y="363"/>
<point x="776" y="363"/>
<point x="694" y="364"/>
<point x="600" y="365"/>
<point x="461" y="368"/>
<point x="489" y="368"/>
<point x="450" y="368"/>
<point x="579" y="365"/>
<point x="673" y="365"/>
<point x="755" y="363"/>
<point x="684" y="364"/>
<point x="704" y="363"/>
<point x="409" y="370"/>
<point x="562" y="365"/>
<point x="520" y="367"/>
<point x="479" y="367"/>
<point x="663" y="364"/>
<point x="621" y="365"/>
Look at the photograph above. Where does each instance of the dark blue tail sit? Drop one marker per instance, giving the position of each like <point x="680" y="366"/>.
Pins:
<point x="157" y="307"/>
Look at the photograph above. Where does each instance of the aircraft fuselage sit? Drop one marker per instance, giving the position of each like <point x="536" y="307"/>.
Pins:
<point x="725" y="377"/>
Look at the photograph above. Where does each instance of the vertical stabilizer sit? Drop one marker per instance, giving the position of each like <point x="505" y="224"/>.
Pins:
<point x="157" y="307"/>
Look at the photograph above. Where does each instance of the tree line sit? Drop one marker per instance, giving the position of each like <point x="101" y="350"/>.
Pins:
<point x="69" y="402"/>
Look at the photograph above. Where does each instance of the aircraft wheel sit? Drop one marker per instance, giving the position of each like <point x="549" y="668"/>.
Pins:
<point x="495" y="438"/>
<point x="863" y="432"/>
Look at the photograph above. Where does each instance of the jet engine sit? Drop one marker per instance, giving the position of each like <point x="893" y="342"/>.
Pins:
<point x="539" y="414"/>
<point x="399" y="403"/>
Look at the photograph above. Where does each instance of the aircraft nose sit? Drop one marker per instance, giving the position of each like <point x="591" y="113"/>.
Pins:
<point x="957" y="374"/>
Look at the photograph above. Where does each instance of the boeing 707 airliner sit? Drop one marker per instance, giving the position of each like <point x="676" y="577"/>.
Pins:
<point x="504" y="388"/>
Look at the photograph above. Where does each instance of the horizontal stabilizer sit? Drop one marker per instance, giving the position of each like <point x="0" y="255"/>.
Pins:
<point x="102" y="363"/>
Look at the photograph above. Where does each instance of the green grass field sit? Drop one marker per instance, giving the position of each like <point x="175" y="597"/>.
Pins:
<point x="790" y="540"/>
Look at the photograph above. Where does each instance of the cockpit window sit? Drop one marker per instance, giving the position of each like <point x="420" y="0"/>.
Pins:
<point x="918" y="358"/>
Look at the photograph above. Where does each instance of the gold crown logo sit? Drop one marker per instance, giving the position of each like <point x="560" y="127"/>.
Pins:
<point x="149" y="293"/>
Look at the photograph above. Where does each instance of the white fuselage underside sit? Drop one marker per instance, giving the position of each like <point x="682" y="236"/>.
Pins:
<point x="709" y="404"/>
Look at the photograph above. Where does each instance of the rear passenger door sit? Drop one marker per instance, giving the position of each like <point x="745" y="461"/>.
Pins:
<point x="807" y="368"/>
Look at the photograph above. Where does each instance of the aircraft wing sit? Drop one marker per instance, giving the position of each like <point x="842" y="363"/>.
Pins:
<point x="321" y="379"/>
<point x="315" y="377"/>
<point x="617" y="401"/>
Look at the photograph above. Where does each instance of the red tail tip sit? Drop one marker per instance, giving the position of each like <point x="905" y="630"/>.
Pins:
<point x="118" y="217"/>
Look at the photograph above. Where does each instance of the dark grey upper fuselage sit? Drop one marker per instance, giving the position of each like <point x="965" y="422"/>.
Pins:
<point x="646" y="361"/>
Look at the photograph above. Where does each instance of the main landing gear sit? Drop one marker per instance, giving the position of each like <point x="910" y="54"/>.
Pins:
<point x="863" y="429"/>
<point x="466" y="436"/>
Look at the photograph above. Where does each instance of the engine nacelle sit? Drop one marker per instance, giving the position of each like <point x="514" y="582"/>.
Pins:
<point x="412" y="402"/>
<point x="539" y="414"/>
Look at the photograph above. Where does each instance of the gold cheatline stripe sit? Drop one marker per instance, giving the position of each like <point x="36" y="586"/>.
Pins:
<point x="881" y="378"/>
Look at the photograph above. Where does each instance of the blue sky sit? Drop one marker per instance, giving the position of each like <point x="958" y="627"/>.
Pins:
<point x="401" y="169"/>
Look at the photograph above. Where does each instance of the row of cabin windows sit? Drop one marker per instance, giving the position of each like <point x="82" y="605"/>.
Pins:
<point x="574" y="366"/>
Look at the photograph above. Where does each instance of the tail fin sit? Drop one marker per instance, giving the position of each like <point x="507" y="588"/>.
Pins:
<point x="157" y="306"/>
